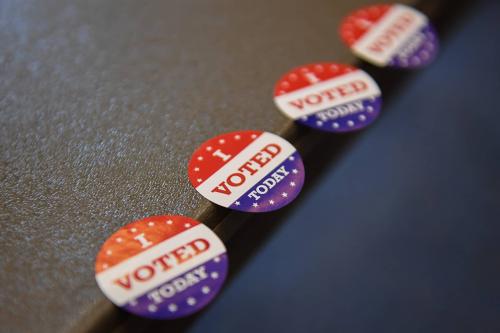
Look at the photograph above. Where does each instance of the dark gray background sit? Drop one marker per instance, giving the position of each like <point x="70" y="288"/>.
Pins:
<point x="102" y="103"/>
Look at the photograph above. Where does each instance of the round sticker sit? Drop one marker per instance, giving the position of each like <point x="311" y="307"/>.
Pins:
<point x="328" y="96"/>
<point x="249" y="171"/>
<point x="390" y="35"/>
<point x="162" y="267"/>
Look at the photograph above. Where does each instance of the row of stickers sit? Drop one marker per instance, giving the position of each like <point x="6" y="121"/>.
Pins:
<point x="166" y="267"/>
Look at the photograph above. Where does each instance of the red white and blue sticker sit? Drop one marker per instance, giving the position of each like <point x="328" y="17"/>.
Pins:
<point x="249" y="171"/>
<point x="391" y="35"/>
<point x="162" y="267"/>
<point x="329" y="96"/>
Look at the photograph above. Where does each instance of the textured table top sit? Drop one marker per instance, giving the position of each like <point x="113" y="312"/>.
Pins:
<point x="101" y="105"/>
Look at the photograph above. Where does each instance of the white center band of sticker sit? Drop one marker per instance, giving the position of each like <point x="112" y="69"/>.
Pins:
<point x="284" y="101"/>
<point x="379" y="29"/>
<point x="232" y="166"/>
<point x="121" y="296"/>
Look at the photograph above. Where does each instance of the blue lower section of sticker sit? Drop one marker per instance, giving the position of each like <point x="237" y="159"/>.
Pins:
<point x="184" y="294"/>
<point x="280" y="187"/>
<point x="347" y="117"/>
<point x="420" y="50"/>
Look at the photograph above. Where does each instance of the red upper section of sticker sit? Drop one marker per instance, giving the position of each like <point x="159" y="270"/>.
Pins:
<point x="214" y="153"/>
<point x="357" y="23"/>
<point x="123" y="243"/>
<point x="304" y="76"/>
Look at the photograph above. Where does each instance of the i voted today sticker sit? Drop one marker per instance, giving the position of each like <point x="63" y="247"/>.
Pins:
<point x="390" y="35"/>
<point x="249" y="171"/>
<point x="329" y="96"/>
<point x="162" y="267"/>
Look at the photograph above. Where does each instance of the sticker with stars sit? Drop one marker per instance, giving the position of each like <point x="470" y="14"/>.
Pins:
<point x="330" y="97"/>
<point x="249" y="171"/>
<point x="390" y="35"/>
<point x="162" y="267"/>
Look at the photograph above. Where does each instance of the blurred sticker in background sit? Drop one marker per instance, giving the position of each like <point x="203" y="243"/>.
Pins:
<point x="162" y="267"/>
<point x="390" y="35"/>
<point x="329" y="96"/>
<point x="249" y="171"/>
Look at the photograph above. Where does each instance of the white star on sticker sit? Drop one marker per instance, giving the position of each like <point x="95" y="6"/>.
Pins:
<point x="200" y="158"/>
<point x="255" y="204"/>
<point x="172" y="307"/>
<point x="284" y="194"/>
<point x="133" y="229"/>
<point x="292" y="184"/>
<point x="237" y="203"/>
<point x="295" y="171"/>
<point x="363" y="23"/>
<point x="187" y="225"/>
<point x="291" y="158"/>
<point x="152" y="308"/>
<point x="151" y="223"/>
<point x="271" y="202"/>
<point x="253" y="136"/>
<point x="205" y="290"/>
<point x="319" y="123"/>
<point x="133" y="302"/>
<point x="119" y="239"/>
<point x="170" y="221"/>
<point x="191" y="301"/>
<point x="222" y="141"/>
<point x="209" y="148"/>
<point x="304" y="118"/>
<point x="237" y="137"/>
<point x="196" y="169"/>
<point x="199" y="180"/>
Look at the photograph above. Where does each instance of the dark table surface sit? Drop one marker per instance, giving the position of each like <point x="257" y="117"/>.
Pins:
<point x="101" y="105"/>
